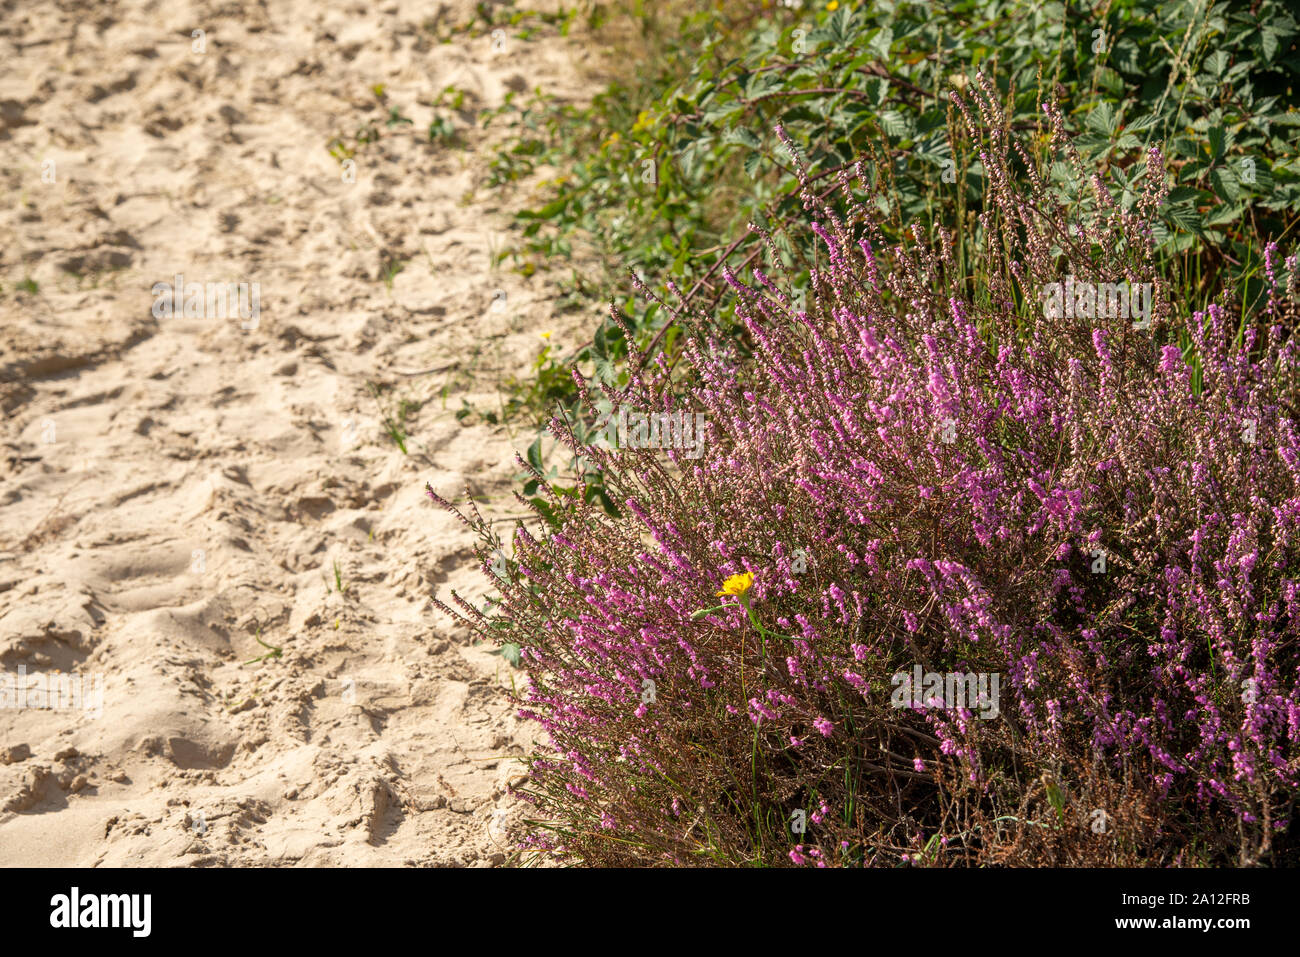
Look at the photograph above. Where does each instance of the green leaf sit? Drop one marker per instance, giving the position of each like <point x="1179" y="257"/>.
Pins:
<point x="606" y="371"/>
<point x="510" y="652"/>
<point x="1225" y="213"/>
<point x="1102" y="119"/>
<point x="1268" y="39"/>
<point x="548" y="513"/>
<point x="895" y="124"/>
<point x="715" y="114"/>
<point x="1144" y="122"/>
<point x="1185" y="218"/>
<point x="549" y="211"/>
<point x="1216" y="141"/>
<point x="1225" y="183"/>
<point x="1111" y="82"/>
<point x="881" y="42"/>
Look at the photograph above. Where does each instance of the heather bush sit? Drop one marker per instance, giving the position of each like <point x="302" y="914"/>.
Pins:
<point x="951" y="469"/>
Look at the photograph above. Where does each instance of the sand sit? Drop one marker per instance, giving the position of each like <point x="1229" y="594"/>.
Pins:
<point x="172" y="488"/>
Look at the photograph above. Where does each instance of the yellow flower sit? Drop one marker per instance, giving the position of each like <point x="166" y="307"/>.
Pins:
<point x="833" y="5"/>
<point x="738" y="584"/>
<point x="546" y="335"/>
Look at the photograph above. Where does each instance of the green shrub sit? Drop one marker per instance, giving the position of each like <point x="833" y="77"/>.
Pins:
<point x="666" y="167"/>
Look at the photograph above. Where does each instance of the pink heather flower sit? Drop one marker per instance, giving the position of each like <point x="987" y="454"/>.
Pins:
<point x="1171" y="359"/>
<point x="857" y="681"/>
<point x="824" y="726"/>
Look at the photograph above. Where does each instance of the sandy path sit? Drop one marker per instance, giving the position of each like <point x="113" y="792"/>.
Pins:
<point x="170" y="486"/>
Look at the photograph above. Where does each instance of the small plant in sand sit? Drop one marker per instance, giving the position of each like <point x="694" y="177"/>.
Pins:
<point x="394" y="419"/>
<point x="274" y="651"/>
<point x="339" y="587"/>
